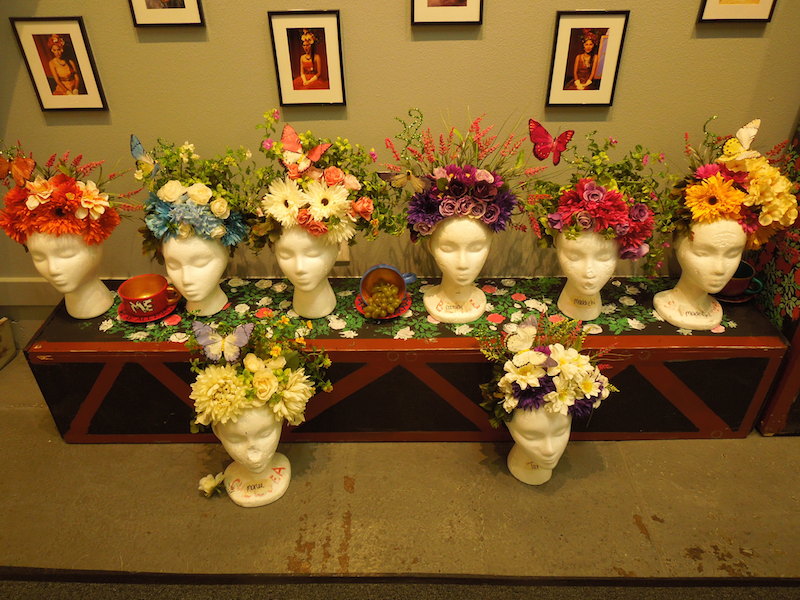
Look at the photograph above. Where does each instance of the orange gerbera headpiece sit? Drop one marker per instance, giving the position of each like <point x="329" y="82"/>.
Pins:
<point x="57" y="206"/>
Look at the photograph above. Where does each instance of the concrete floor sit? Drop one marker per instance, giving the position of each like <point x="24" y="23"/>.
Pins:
<point x="716" y="508"/>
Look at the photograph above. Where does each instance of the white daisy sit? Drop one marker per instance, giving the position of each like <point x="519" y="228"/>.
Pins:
<point x="263" y="284"/>
<point x="341" y="231"/>
<point x="349" y="334"/>
<point x="241" y="308"/>
<point x="283" y="201"/>
<point x="326" y="202"/>
<point x="106" y="325"/>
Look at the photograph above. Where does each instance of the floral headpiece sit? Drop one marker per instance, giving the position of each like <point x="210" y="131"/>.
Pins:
<point x="591" y="207"/>
<point x="469" y="175"/>
<point x="621" y="198"/>
<point x="276" y="371"/>
<point x="320" y="185"/>
<point x="192" y="196"/>
<point x="541" y="366"/>
<point x="308" y="36"/>
<point x="59" y="201"/>
<point x="729" y="180"/>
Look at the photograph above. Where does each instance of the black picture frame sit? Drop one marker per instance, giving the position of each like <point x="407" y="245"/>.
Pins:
<point x="717" y="11"/>
<point x="573" y="29"/>
<point x="313" y="75"/>
<point x="446" y="12"/>
<point x="68" y="81"/>
<point x="167" y="13"/>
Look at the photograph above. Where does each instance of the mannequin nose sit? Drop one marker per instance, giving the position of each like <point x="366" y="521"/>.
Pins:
<point x="300" y="266"/>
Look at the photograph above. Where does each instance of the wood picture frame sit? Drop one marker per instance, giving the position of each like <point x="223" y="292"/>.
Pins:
<point x="160" y="13"/>
<point x="736" y="10"/>
<point x="446" y="12"/>
<point x="307" y="48"/>
<point x="578" y="77"/>
<point x="60" y="63"/>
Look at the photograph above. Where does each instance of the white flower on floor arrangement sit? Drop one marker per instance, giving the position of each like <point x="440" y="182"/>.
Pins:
<point x="541" y="380"/>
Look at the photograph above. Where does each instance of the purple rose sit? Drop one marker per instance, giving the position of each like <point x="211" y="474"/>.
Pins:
<point x="621" y="229"/>
<point x="483" y="189"/>
<point x="584" y="220"/>
<point x="492" y="214"/>
<point x="639" y="212"/>
<point x="478" y="209"/>
<point x="634" y="253"/>
<point x="447" y="207"/>
<point x="593" y="192"/>
<point x="555" y="220"/>
<point x="457" y="188"/>
<point x="424" y="228"/>
<point x="464" y="206"/>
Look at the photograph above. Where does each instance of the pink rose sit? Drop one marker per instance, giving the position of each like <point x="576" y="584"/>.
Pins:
<point x="363" y="208"/>
<point x="489" y="289"/>
<point x="518" y="297"/>
<point x="351" y="183"/>
<point x="293" y="171"/>
<point x="311" y="225"/>
<point x="333" y="176"/>
<point x="264" y="312"/>
<point x="313" y="173"/>
<point x="495" y="318"/>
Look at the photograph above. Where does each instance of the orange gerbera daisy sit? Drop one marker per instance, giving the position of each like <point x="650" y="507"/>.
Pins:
<point x="714" y="198"/>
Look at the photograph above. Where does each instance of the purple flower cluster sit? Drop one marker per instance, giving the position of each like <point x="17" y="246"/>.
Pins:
<point x="461" y="192"/>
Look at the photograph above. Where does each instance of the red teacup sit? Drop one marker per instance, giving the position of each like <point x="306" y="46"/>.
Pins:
<point x="742" y="283"/>
<point x="145" y="297"/>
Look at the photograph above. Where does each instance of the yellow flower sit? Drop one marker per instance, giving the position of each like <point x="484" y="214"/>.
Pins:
<point x="209" y="484"/>
<point x="275" y="351"/>
<point x="714" y="198"/>
<point x="219" y="394"/>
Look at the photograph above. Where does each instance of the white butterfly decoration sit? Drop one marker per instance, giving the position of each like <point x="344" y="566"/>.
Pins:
<point x="215" y="345"/>
<point x="738" y="148"/>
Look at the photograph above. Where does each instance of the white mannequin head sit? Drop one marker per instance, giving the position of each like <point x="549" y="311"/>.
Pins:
<point x="460" y="247"/>
<point x="252" y="440"/>
<point x="543" y="435"/>
<point x="710" y="254"/>
<point x="70" y="265"/>
<point x="195" y="266"/>
<point x="306" y="260"/>
<point x="588" y="261"/>
<point x="66" y="261"/>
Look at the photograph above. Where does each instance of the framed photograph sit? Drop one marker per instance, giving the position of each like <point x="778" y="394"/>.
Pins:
<point x="446" y="12"/>
<point x="307" y="48"/>
<point x="147" y="13"/>
<point x="59" y="60"/>
<point x="736" y="10"/>
<point x="586" y="53"/>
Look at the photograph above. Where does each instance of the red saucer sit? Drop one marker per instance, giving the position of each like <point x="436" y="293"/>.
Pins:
<point x="404" y="305"/>
<point x="145" y="318"/>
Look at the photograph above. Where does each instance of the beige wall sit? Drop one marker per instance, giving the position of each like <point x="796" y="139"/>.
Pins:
<point x="211" y="85"/>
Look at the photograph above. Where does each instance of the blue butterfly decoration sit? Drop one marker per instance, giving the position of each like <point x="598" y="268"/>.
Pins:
<point x="216" y="345"/>
<point x="144" y="162"/>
